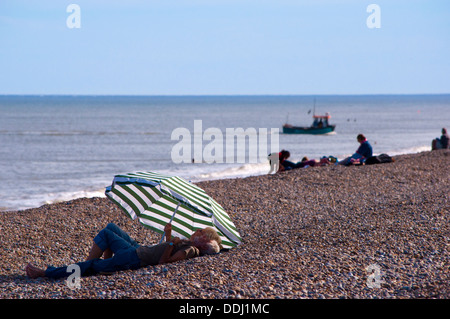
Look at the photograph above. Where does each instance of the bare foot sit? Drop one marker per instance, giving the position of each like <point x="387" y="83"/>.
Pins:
<point x="34" y="272"/>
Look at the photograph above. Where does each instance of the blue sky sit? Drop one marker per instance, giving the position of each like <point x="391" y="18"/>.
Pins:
<point x="224" y="47"/>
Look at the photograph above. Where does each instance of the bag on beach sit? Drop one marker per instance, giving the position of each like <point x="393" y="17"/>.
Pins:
<point x="382" y="158"/>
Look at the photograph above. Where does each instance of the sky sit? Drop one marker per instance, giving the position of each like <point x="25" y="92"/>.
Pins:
<point x="224" y="47"/>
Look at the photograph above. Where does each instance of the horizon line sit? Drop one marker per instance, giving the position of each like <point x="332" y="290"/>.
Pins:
<point x="213" y="95"/>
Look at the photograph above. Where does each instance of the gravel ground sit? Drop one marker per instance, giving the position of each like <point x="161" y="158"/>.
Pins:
<point x="309" y="233"/>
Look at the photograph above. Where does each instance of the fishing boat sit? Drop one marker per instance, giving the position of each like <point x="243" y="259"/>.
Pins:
<point x="320" y="125"/>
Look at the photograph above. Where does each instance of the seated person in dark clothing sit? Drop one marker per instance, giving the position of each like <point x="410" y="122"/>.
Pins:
<point x="365" y="149"/>
<point x="120" y="252"/>
<point x="441" y="143"/>
<point x="363" y="152"/>
<point x="284" y="164"/>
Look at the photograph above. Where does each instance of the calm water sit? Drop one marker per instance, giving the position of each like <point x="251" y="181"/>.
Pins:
<point x="56" y="148"/>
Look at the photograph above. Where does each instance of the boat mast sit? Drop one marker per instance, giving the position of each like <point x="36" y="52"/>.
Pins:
<point x="314" y="108"/>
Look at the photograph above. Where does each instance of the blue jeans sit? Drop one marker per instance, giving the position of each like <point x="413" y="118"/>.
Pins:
<point x="288" y="165"/>
<point x="347" y="160"/>
<point x="114" y="238"/>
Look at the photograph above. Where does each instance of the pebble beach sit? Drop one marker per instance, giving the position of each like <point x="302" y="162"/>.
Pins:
<point x="358" y="232"/>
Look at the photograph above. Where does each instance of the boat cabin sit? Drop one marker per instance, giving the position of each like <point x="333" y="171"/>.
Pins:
<point x="321" y="120"/>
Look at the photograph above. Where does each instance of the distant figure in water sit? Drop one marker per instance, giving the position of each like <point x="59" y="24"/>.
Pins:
<point x="441" y="143"/>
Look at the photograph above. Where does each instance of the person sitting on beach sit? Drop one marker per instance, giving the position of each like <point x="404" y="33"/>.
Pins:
<point x="285" y="165"/>
<point x="441" y="143"/>
<point x="363" y="152"/>
<point x="279" y="161"/>
<point x="121" y="252"/>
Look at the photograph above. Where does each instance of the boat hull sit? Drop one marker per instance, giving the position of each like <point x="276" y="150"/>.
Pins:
<point x="308" y="130"/>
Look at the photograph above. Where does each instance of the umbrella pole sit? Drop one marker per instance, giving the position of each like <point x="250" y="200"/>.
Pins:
<point x="171" y="219"/>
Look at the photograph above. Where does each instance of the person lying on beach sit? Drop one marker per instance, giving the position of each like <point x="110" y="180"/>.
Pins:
<point x="121" y="252"/>
<point x="305" y="162"/>
<point x="286" y="165"/>
<point x="363" y="152"/>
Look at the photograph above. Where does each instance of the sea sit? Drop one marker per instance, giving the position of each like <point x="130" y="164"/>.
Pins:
<point x="58" y="148"/>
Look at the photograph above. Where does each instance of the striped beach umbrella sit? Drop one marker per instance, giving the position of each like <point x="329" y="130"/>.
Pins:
<point x="156" y="199"/>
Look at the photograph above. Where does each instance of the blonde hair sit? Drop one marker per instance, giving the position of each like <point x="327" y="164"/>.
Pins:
<point x="212" y="235"/>
<point x="209" y="243"/>
<point x="211" y="248"/>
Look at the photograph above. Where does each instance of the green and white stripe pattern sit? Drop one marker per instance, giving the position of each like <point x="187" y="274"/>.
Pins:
<point x="155" y="199"/>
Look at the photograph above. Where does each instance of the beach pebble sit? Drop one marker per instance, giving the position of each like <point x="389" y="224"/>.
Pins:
<point x="318" y="232"/>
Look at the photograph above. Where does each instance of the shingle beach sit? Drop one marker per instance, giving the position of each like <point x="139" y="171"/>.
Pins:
<point x="317" y="232"/>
